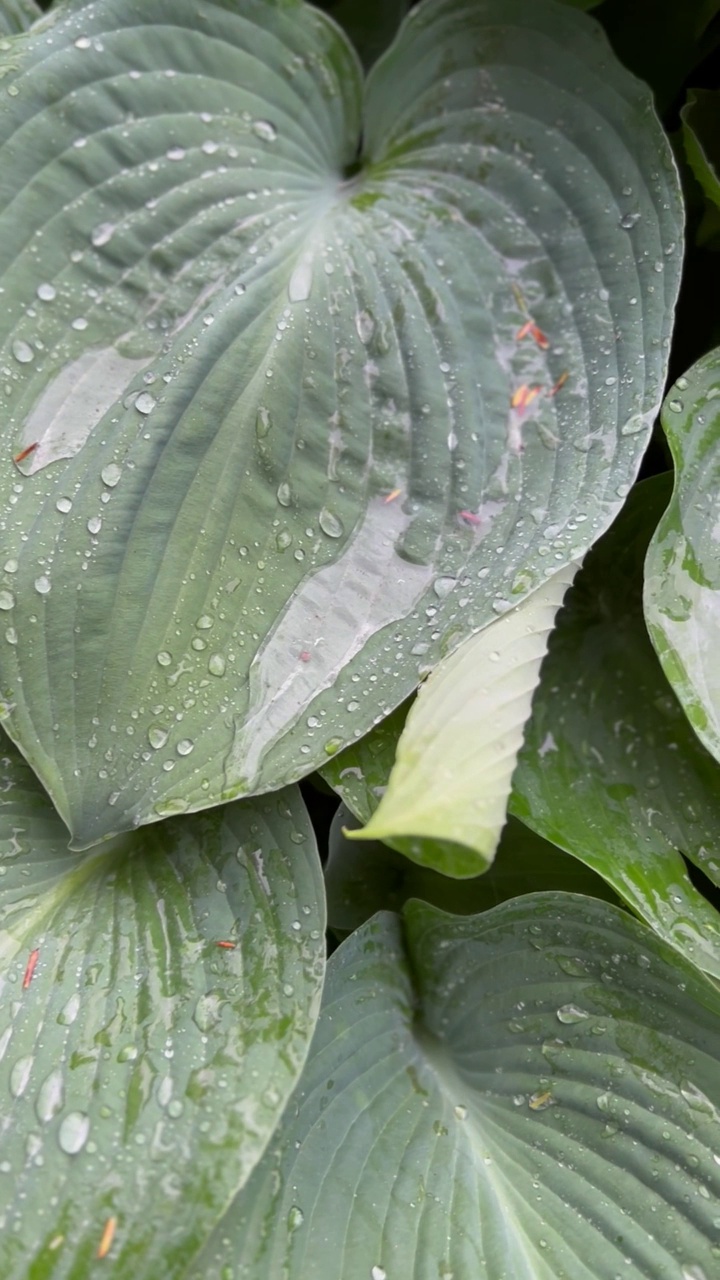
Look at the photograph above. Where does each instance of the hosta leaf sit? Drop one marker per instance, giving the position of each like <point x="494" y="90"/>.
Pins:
<point x="362" y="878"/>
<point x="360" y="773"/>
<point x="15" y="16"/>
<point x="611" y="770"/>
<point x="457" y="752"/>
<point x="682" y="571"/>
<point x="283" y="418"/>
<point x="662" y="40"/>
<point x="532" y="1093"/>
<point x="144" y="1066"/>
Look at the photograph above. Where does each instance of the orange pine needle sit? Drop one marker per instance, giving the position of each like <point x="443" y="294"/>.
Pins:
<point x="519" y="397"/>
<point x="560" y="383"/>
<point x="470" y="517"/>
<point x="29" y="971"/>
<point x="107" y="1238"/>
<point x="540" y="337"/>
<point x="229" y="946"/>
<point x="25" y="453"/>
<point x="393" y="495"/>
<point x="533" y="393"/>
<point x="524" y="331"/>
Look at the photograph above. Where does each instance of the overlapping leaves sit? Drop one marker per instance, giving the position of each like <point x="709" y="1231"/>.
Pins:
<point x="529" y="1093"/>
<point x="247" y="386"/>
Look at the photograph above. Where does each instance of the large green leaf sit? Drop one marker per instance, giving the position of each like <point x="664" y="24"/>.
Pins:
<point x="701" y="122"/>
<point x="611" y="770"/>
<point x="525" y="1095"/>
<point x="362" y="878"/>
<point x="156" y="1005"/>
<point x="277" y="469"/>
<point x="15" y="16"/>
<point x="682" y="572"/>
<point x="447" y="794"/>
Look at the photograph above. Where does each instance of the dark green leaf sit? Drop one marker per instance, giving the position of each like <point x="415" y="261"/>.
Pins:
<point x="525" y="1095"/>
<point x="207" y="586"/>
<point x="611" y="770"/>
<point x="661" y="40"/>
<point x="371" y="24"/>
<point x="143" y="1066"/>
<point x="682" y="574"/>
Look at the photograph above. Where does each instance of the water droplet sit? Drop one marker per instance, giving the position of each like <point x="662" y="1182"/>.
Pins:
<point x="20" y="1075"/>
<point x="164" y="658"/>
<point x="22" y="351"/>
<point x="295" y="1217"/>
<point x="42" y="584"/>
<point x="207" y="1011"/>
<point x="264" y="130"/>
<point x="79" y="323"/>
<point x="51" y="1096"/>
<point x="629" y="220"/>
<point x="569" y="1013"/>
<point x="73" y="1132"/>
<point x="682" y="384"/>
<point x="46" y="292"/>
<point x="110" y="475"/>
<point x="157" y="737"/>
<point x="204" y="622"/>
<point x="175" y="1108"/>
<point x="263" y="422"/>
<point x="7" y="600"/>
<point x="284" y="494"/>
<point x="145" y="403"/>
<point x="94" y="524"/>
<point x="64" y="505"/>
<point x="461" y="1112"/>
<point x="102" y="234"/>
<point x="300" y="282"/>
<point x="330" y="524"/>
<point x="176" y="153"/>
<point x="443" y="586"/>
<point x="677" y="406"/>
<point x="216" y="664"/>
<point x="82" y="42"/>
<point x="184" y="747"/>
<point x="365" y="326"/>
<point x="378" y="1273"/>
<point x="283" y="539"/>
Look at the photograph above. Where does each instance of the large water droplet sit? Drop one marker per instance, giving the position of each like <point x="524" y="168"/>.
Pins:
<point x="7" y="600"/>
<point x="284" y="494"/>
<point x="42" y="584"/>
<point x="265" y="130"/>
<point x="295" y="1217"/>
<point x="216" y="664"/>
<point x="300" y="282"/>
<point x="330" y="523"/>
<point x="46" y="292"/>
<point x="569" y="1013"/>
<point x="110" y="475"/>
<point x="263" y="422"/>
<point x="69" y="1011"/>
<point x="157" y="737"/>
<point x="365" y="326"/>
<point x="51" y="1096"/>
<point x="677" y="406"/>
<point x="102" y="234"/>
<point x="20" y="1075"/>
<point x="22" y="351"/>
<point x="145" y="403"/>
<point x="185" y="746"/>
<point x="629" y="220"/>
<point x="73" y="1132"/>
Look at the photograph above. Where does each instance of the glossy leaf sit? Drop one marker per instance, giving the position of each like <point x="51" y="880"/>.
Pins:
<point x="451" y="777"/>
<point x="157" y="1001"/>
<point x="15" y="16"/>
<point x="281" y="415"/>
<point x="611" y="770"/>
<point x="531" y="1093"/>
<point x="360" y="773"/>
<point x="682" y="572"/>
<point x="370" y="24"/>
<point x="364" y="877"/>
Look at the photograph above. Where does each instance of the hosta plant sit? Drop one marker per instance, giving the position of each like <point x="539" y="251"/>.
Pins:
<point x="330" y="345"/>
